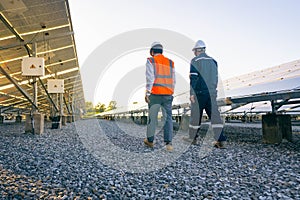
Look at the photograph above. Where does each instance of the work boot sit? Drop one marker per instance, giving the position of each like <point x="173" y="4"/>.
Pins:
<point x="190" y="140"/>
<point x="219" y="144"/>
<point x="169" y="147"/>
<point x="148" y="144"/>
<point x="193" y="132"/>
<point x="192" y="136"/>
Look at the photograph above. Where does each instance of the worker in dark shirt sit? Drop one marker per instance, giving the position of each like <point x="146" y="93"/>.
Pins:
<point x="203" y="94"/>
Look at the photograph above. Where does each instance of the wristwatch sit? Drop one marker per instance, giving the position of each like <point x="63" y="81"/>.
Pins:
<point x="148" y="93"/>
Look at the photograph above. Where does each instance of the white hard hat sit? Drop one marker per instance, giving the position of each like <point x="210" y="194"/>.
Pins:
<point x="158" y="44"/>
<point x="199" y="45"/>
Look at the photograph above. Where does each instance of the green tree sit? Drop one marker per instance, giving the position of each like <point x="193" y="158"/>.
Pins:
<point x="112" y="105"/>
<point x="100" y="107"/>
<point x="89" y="107"/>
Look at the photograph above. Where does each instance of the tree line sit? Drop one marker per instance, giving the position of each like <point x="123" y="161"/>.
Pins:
<point x="100" y="107"/>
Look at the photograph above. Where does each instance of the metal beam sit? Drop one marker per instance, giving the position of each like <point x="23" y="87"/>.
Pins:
<point x="49" y="97"/>
<point x="12" y="106"/>
<point x="67" y="105"/>
<point x="291" y="102"/>
<point x="23" y="43"/>
<point x="13" y="30"/>
<point x="14" y="110"/>
<point x="23" y="92"/>
<point x="234" y="106"/>
<point x="282" y="95"/>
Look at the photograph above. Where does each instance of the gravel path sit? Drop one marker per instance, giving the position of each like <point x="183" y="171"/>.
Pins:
<point x="97" y="159"/>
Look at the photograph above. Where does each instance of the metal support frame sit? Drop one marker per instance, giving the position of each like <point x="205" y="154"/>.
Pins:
<point x="23" y="92"/>
<point x="273" y="97"/>
<point x="35" y="89"/>
<point x="277" y="105"/>
<point x="70" y="104"/>
<point x="61" y="109"/>
<point x="65" y="101"/>
<point x="274" y="106"/>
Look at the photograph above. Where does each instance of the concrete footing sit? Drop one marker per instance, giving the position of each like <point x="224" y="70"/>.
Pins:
<point x="47" y="118"/>
<point x="276" y="127"/>
<point x="143" y="120"/>
<point x="69" y="118"/>
<point x="56" y="122"/>
<point x="185" y="121"/>
<point x="18" y="119"/>
<point x="64" y="120"/>
<point x="178" y="119"/>
<point x="35" y="124"/>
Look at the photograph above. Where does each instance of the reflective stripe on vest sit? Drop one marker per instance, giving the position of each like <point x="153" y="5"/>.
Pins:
<point x="163" y="72"/>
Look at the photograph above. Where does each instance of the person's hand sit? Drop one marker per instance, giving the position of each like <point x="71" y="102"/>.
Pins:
<point x="147" y="99"/>
<point x="192" y="98"/>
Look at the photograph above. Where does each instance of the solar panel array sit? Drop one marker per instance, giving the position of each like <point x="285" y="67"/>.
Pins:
<point x="48" y="25"/>
<point x="278" y="78"/>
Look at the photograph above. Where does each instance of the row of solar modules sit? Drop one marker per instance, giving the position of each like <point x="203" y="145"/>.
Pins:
<point x="255" y="95"/>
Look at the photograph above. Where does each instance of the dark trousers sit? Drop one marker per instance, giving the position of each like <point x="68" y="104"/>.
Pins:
<point x="157" y="102"/>
<point x="206" y="101"/>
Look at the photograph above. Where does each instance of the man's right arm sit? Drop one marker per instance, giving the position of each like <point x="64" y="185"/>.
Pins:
<point x="149" y="77"/>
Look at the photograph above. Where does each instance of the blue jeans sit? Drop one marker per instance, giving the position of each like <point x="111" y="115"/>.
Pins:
<point x="206" y="101"/>
<point x="156" y="102"/>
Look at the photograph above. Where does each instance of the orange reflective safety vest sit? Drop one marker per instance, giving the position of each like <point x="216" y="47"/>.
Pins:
<point x="163" y="73"/>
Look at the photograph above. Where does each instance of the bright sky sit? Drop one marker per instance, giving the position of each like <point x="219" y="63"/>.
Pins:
<point x="242" y="35"/>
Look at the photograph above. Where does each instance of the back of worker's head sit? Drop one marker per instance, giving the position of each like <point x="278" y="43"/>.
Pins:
<point x="156" y="48"/>
<point x="199" y="47"/>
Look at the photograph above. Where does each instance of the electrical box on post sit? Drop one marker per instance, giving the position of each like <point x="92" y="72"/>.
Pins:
<point x="55" y="85"/>
<point x="33" y="66"/>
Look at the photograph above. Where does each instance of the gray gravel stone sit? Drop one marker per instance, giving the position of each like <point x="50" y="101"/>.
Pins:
<point x="59" y="165"/>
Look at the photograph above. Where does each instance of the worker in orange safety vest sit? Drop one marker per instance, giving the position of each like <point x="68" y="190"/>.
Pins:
<point x="160" y="82"/>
